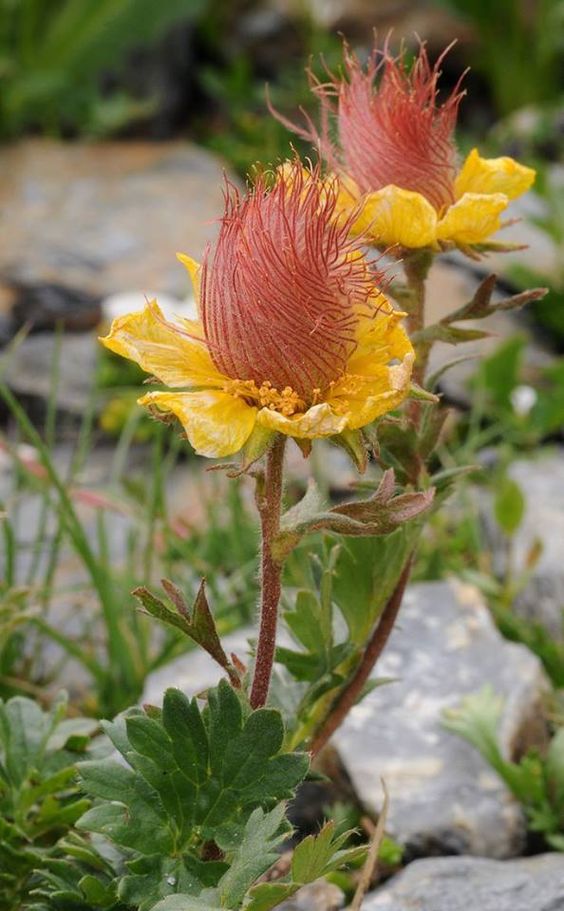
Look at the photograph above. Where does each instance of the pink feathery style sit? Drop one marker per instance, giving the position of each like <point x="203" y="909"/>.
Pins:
<point x="390" y="139"/>
<point x="294" y="334"/>
<point x="391" y="127"/>
<point x="284" y="287"/>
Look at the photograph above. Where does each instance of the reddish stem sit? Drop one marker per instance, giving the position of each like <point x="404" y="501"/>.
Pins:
<point x="348" y="697"/>
<point x="270" y="504"/>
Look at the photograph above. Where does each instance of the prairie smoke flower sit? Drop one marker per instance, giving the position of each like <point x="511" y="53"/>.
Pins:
<point x="397" y="157"/>
<point x="293" y="335"/>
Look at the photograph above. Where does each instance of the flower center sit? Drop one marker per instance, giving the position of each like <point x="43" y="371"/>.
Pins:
<point x="286" y="402"/>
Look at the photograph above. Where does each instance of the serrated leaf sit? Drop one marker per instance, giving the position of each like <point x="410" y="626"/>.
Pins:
<point x="195" y="776"/>
<point x="135" y="818"/>
<point x="151" y="879"/>
<point x="198" y="623"/>
<point x="314" y="857"/>
<point x="255" y="853"/>
<point x="183" y="723"/>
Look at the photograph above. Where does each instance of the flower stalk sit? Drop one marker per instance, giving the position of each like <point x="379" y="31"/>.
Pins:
<point x="269" y="501"/>
<point x="416" y="268"/>
<point x="376" y="644"/>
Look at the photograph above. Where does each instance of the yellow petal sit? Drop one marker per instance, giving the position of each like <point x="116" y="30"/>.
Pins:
<point x="384" y="394"/>
<point x="473" y="218"/>
<point x="380" y="339"/>
<point x="318" y="421"/>
<point x="348" y="194"/>
<point x="194" y="271"/>
<point x="217" y="424"/>
<point x="395" y="216"/>
<point x="163" y="349"/>
<point x="493" y="175"/>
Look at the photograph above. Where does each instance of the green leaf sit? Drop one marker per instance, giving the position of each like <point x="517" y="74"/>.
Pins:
<point x="194" y="777"/>
<point x="255" y="853"/>
<point x="381" y="514"/>
<point x="304" y="621"/>
<point x="186" y="903"/>
<point x="314" y="857"/>
<point x="554" y="769"/>
<point x="25" y="729"/>
<point x="366" y="573"/>
<point x="268" y="895"/>
<point x="509" y="506"/>
<point x="135" y="817"/>
<point x="198" y="623"/>
<point x="96" y="892"/>
<point x="153" y="878"/>
<point x="477" y="719"/>
<point x="452" y="335"/>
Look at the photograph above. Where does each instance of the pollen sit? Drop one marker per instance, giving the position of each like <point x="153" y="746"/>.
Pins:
<point x="350" y="386"/>
<point x="286" y="402"/>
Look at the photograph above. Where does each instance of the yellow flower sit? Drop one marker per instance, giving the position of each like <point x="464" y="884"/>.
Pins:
<point x="482" y="191"/>
<point x="293" y="336"/>
<point x="397" y="159"/>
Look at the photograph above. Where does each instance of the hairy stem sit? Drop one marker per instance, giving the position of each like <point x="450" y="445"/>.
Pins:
<point x="416" y="268"/>
<point x="269" y="501"/>
<point x="350" y="694"/>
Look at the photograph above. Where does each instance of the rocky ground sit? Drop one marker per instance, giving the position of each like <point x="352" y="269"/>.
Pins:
<point x="97" y="222"/>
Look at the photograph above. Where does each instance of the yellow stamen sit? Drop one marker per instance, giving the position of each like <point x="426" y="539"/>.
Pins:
<point x="287" y="402"/>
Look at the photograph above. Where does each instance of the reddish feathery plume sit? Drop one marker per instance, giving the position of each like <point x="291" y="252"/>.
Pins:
<point x="282" y="289"/>
<point x="395" y="132"/>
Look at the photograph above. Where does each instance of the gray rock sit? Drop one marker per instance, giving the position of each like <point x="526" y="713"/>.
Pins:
<point x="472" y="884"/>
<point x="28" y="368"/>
<point x="317" y="896"/>
<point x="194" y="671"/>
<point x="542" y="483"/>
<point x="444" y="799"/>
<point x="106" y="217"/>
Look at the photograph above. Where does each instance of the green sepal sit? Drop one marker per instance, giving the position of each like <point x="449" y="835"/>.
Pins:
<point x="258" y="444"/>
<point x="422" y="395"/>
<point x="352" y="441"/>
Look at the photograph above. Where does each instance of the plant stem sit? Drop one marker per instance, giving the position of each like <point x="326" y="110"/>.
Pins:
<point x="416" y="268"/>
<point x="350" y="694"/>
<point x="269" y="504"/>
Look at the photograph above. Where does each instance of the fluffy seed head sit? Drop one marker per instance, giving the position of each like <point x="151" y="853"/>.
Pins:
<point x="391" y="127"/>
<point x="283" y="287"/>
